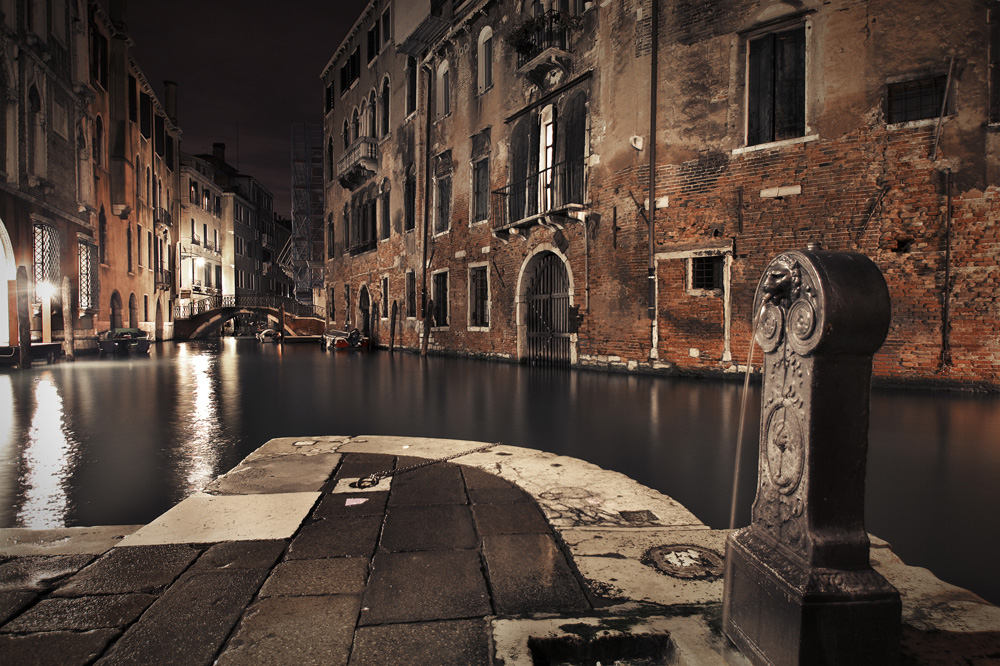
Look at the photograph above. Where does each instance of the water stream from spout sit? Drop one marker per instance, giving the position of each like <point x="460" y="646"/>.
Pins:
<point x="743" y="411"/>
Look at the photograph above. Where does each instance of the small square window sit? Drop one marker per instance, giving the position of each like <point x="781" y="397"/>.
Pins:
<point x="706" y="273"/>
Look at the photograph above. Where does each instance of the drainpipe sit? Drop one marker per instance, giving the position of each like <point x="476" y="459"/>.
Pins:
<point x="427" y="190"/>
<point x="654" y="18"/>
<point x="946" y="296"/>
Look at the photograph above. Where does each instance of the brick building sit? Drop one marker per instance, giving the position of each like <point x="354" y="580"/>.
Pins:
<point x="87" y="176"/>
<point x="495" y="157"/>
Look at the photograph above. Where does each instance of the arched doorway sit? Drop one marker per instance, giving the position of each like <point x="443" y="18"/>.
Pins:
<point x="116" y="311"/>
<point x="545" y="291"/>
<point x="365" y="306"/>
<point x="159" y="320"/>
<point x="133" y="312"/>
<point x="8" y="274"/>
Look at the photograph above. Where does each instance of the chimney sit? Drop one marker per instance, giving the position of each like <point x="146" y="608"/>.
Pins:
<point x="119" y="11"/>
<point x="219" y="151"/>
<point x="170" y="100"/>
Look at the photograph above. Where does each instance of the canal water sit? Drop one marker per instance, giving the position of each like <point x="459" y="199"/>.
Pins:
<point x="119" y="441"/>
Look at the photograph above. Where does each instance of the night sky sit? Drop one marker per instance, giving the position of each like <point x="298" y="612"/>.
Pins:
<point x="251" y="63"/>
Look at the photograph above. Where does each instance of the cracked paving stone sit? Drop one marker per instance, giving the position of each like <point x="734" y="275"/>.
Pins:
<point x="64" y="648"/>
<point x="448" y="643"/>
<point x="335" y="575"/>
<point x="273" y="632"/>
<point x="435" y="527"/>
<point x="528" y="574"/>
<point x="341" y="505"/>
<point x="81" y="613"/>
<point x="190" y="622"/>
<point x="432" y="585"/>
<point x="127" y="569"/>
<point x="336" y="537"/>
<point x="37" y="572"/>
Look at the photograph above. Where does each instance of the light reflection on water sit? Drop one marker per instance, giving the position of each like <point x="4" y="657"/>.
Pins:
<point x="119" y="441"/>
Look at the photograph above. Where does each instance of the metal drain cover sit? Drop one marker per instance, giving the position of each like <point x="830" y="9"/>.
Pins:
<point x="684" y="561"/>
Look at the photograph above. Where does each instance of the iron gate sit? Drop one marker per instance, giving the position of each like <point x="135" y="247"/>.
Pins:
<point x="547" y="302"/>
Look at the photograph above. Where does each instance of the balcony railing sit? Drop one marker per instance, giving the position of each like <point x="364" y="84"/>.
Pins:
<point x="537" y="34"/>
<point x="358" y="162"/>
<point x="556" y="190"/>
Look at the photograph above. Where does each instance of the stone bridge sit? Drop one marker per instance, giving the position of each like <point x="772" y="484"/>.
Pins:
<point x="202" y="318"/>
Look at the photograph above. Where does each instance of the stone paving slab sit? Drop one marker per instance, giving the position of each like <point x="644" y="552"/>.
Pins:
<point x="304" y="631"/>
<point x="241" y="555"/>
<point x="528" y="574"/>
<point x="418" y="587"/>
<point x="204" y="518"/>
<point x="336" y="575"/>
<point x="340" y="505"/>
<point x="438" y="484"/>
<point x="190" y="622"/>
<point x="336" y="537"/>
<point x="40" y="571"/>
<point x="515" y="518"/>
<point x="18" y="542"/>
<point x="104" y="611"/>
<point x="435" y="527"/>
<point x="12" y="603"/>
<point x="124" y="570"/>
<point x="290" y="474"/>
<point x="447" y="643"/>
<point x="62" y="648"/>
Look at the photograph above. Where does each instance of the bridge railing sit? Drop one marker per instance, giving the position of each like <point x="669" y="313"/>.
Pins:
<point x="204" y="305"/>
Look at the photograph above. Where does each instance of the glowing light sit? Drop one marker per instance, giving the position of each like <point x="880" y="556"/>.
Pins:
<point x="45" y="290"/>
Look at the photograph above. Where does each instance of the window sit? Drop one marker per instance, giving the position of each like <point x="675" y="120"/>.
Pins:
<point x="481" y="190"/>
<point x="776" y="86"/>
<point x="98" y="57"/>
<point x="479" y="297"/>
<point x="706" y="273"/>
<point x="128" y="247"/>
<point x="384" y="108"/>
<point x="374" y="38"/>
<point x="411" y="85"/>
<point x="443" y="99"/>
<point x="350" y="71"/>
<point x="411" y="294"/>
<point x="193" y="194"/>
<point x="46" y="258"/>
<point x="915" y="100"/>
<point x="149" y="249"/>
<point x="331" y="96"/>
<point x="410" y="200"/>
<point x="133" y="99"/>
<point x="138" y="240"/>
<point x="485" y="60"/>
<point x="385" y="213"/>
<point x="442" y="220"/>
<point x="993" y="25"/>
<point x="385" y="296"/>
<point x="386" y="24"/>
<point x="145" y="115"/>
<point x="89" y="285"/>
<point x="102" y="238"/>
<point x="347" y="302"/>
<point x="329" y="160"/>
<point x="440" y="296"/>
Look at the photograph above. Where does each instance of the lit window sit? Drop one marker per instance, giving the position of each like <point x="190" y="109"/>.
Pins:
<point x="46" y="258"/>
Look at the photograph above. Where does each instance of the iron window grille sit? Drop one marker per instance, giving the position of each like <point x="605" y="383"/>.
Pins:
<point x="89" y="283"/>
<point x="479" y="297"/>
<point x="914" y="100"/>
<point x="46" y="257"/>
<point x="706" y="273"/>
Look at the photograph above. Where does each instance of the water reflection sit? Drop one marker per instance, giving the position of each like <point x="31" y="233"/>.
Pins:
<point x="48" y="460"/>
<point x="124" y="440"/>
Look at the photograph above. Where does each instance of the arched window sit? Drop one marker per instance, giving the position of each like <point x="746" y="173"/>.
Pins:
<point x="384" y="107"/>
<point x="329" y="159"/>
<point x="365" y="127"/>
<point x="443" y="99"/>
<point x="370" y="120"/>
<point x="384" y="210"/>
<point x="411" y="85"/>
<point x="410" y="200"/>
<point x="136" y="170"/>
<point x="355" y="126"/>
<point x="149" y="185"/>
<point x="573" y="149"/>
<point x="347" y="135"/>
<point x="98" y="147"/>
<point x="36" y="134"/>
<point x="485" y="60"/>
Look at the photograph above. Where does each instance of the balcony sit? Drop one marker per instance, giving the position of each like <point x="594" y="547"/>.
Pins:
<point x="164" y="279"/>
<point x="542" y="46"/>
<point x="358" y="163"/>
<point x="549" y="197"/>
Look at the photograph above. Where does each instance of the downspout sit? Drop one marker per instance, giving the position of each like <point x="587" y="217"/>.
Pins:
<point x="946" y="296"/>
<point x="654" y="18"/>
<point x="427" y="191"/>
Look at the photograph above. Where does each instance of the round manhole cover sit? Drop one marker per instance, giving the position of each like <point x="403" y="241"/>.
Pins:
<point x="684" y="561"/>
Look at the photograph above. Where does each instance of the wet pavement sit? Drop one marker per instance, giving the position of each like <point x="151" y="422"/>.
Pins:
<point x="511" y="556"/>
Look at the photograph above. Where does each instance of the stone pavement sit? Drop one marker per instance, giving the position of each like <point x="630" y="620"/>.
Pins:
<point x="509" y="556"/>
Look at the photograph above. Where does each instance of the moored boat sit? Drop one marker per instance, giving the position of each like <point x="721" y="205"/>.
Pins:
<point x="124" y="341"/>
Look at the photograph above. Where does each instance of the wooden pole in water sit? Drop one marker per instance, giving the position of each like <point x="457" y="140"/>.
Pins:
<point x="428" y="316"/>
<point x="69" y="319"/>
<point x="392" y="327"/>
<point x="281" y="323"/>
<point x="23" y="318"/>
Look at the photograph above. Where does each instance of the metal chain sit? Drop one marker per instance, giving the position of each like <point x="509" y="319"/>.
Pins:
<point x="373" y="479"/>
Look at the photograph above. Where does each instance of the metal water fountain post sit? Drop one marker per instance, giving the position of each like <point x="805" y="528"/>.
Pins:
<point x="799" y="586"/>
